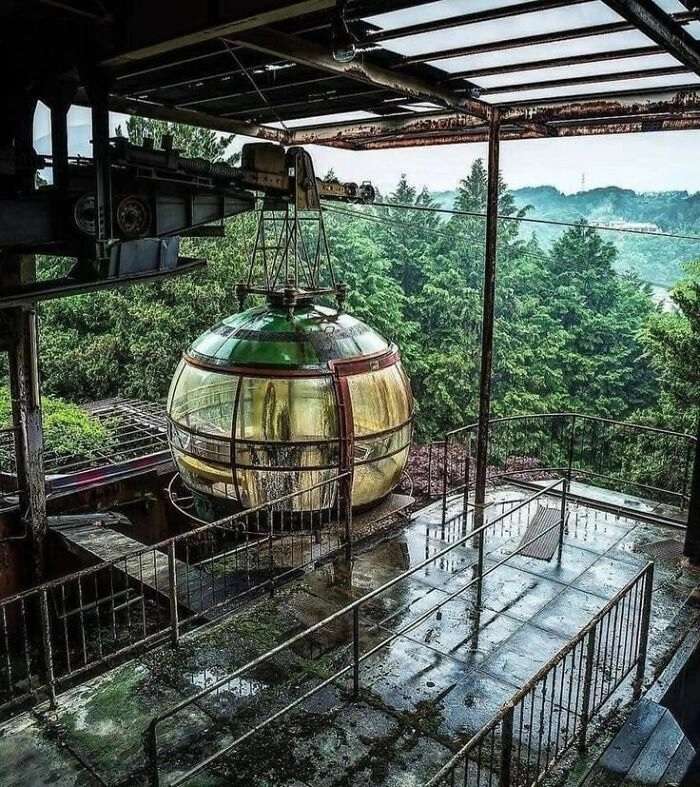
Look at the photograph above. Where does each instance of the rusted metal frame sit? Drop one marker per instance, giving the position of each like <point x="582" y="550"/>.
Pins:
<point x="150" y="744"/>
<point x="587" y="635"/>
<point x="554" y="62"/>
<point x="307" y="107"/>
<point x="370" y="362"/>
<point x="27" y="421"/>
<point x="569" y="34"/>
<point x="276" y="86"/>
<point x="488" y="319"/>
<point x="299" y="50"/>
<point x="691" y="547"/>
<point x="230" y="27"/>
<point x="444" y="139"/>
<point x="663" y="28"/>
<point x="489" y="14"/>
<point x="615" y="103"/>
<point x="132" y="106"/>
<point x="610" y="76"/>
<point x="610" y="107"/>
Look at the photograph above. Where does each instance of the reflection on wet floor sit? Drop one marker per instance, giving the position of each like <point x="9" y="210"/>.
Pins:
<point x="422" y="695"/>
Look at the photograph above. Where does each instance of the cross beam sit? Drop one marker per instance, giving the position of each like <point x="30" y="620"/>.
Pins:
<point x="299" y="50"/>
<point x="661" y="27"/>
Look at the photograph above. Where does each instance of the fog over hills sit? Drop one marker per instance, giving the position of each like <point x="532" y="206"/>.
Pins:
<point x="655" y="259"/>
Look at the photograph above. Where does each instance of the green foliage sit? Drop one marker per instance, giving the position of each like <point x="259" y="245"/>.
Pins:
<point x="672" y="340"/>
<point x="571" y="331"/>
<point x="68" y="429"/>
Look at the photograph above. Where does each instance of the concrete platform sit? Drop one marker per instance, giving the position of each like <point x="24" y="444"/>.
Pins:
<point x="421" y="697"/>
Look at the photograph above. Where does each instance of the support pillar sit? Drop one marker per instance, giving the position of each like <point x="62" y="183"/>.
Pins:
<point x="487" y="320"/>
<point x="691" y="548"/>
<point x="26" y="416"/>
<point x="99" y="97"/>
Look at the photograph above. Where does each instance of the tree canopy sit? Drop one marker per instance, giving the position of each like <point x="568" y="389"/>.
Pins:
<point x="571" y="332"/>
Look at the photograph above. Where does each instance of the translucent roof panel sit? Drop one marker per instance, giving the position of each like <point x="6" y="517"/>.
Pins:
<point x="694" y="29"/>
<point x="671" y="6"/>
<point x="337" y="117"/>
<point x="525" y="54"/>
<point x="443" y="9"/>
<point x="600" y="87"/>
<point x="640" y="64"/>
<point x="539" y="22"/>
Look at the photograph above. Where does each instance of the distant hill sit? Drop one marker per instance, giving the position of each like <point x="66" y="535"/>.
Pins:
<point x="657" y="260"/>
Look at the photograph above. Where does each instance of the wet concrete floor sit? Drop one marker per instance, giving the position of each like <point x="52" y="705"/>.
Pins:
<point x="420" y="697"/>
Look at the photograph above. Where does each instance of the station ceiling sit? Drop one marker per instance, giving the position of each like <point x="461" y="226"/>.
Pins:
<point x="423" y="72"/>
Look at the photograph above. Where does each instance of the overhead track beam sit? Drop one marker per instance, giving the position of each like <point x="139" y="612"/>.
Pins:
<point x="299" y="50"/>
<point x="661" y="27"/>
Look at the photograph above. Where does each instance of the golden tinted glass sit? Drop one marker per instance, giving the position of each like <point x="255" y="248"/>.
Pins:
<point x="203" y="400"/>
<point x="297" y="409"/>
<point x="380" y="400"/>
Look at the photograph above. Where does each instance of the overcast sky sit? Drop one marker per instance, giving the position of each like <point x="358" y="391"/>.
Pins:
<point x="644" y="162"/>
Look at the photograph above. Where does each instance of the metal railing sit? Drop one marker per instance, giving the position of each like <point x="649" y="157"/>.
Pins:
<point x="616" y="455"/>
<point x="9" y="494"/>
<point x="554" y="709"/>
<point x="344" y="626"/>
<point x="54" y="633"/>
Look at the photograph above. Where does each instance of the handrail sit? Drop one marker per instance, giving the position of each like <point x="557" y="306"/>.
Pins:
<point x="618" y="454"/>
<point x="522" y="693"/>
<point x="353" y="607"/>
<point x="583" y="416"/>
<point x="162" y="546"/>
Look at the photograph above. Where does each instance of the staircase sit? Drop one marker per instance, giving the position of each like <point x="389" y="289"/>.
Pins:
<point x="650" y="749"/>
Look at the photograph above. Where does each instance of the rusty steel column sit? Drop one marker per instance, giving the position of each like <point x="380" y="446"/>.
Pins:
<point x="489" y="297"/>
<point x="26" y="411"/>
<point x="691" y="548"/>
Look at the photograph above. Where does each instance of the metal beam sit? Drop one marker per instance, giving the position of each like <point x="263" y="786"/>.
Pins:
<point x="591" y="79"/>
<point x="691" y="548"/>
<point x="300" y="50"/>
<point x="410" y="123"/>
<point x="658" y="102"/>
<point x="661" y="27"/>
<point x="511" y="133"/>
<point x="131" y="106"/>
<point x="569" y="34"/>
<point x="487" y="328"/>
<point x="237" y="23"/>
<point x="554" y="62"/>
<point x="489" y="14"/>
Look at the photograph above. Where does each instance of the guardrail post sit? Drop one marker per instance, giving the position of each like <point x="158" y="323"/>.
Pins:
<point x="480" y="568"/>
<point x="644" y="633"/>
<point x="151" y="750"/>
<point x="587" y="686"/>
<point x="467" y="468"/>
<point x="570" y="457"/>
<point x="444" y="482"/>
<point x="346" y="486"/>
<point x="430" y="470"/>
<point x="506" y="748"/>
<point x="172" y="592"/>
<point x="355" y="651"/>
<point x="564" y="501"/>
<point x="48" y="649"/>
<point x="270" y="553"/>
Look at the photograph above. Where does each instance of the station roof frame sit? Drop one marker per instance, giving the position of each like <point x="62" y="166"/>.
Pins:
<point x="424" y="72"/>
